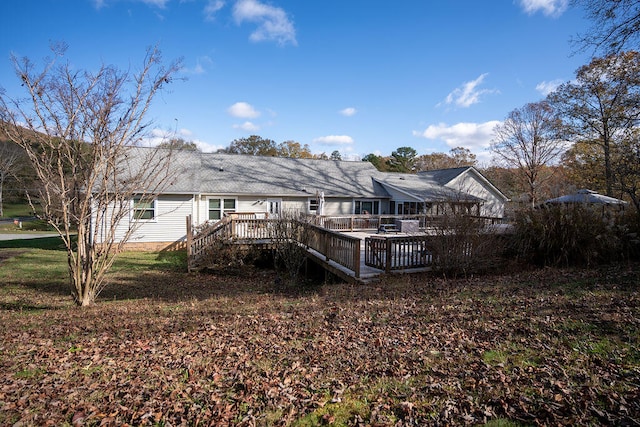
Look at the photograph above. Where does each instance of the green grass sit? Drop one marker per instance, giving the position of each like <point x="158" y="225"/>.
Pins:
<point x="494" y="357"/>
<point x="53" y="243"/>
<point x="33" y="225"/>
<point x="337" y="413"/>
<point x="34" y="274"/>
<point x="12" y="210"/>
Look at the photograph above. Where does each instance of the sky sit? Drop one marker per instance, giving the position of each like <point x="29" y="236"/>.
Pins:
<point x="357" y="76"/>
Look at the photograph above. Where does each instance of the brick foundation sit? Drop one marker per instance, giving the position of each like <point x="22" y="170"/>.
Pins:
<point x="155" y="246"/>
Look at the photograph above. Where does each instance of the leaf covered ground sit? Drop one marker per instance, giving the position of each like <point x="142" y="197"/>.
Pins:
<point x="540" y="347"/>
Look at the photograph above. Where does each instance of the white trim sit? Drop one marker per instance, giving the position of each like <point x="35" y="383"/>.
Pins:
<point x="276" y="202"/>
<point x="222" y="209"/>
<point x="365" y="199"/>
<point x="317" y="205"/>
<point x="154" y="208"/>
<point x="482" y="178"/>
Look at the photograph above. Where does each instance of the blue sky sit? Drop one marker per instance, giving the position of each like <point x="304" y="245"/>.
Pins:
<point x="358" y="76"/>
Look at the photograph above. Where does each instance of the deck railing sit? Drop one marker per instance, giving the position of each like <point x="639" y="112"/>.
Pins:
<point x="202" y="237"/>
<point x="323" y="235"/>
<point x="337" y="247"/>
<point x="398" y="253"/>
<point x="373" y="222"/>
<point x="351" y="222"/>
<point x="342" y="249"/>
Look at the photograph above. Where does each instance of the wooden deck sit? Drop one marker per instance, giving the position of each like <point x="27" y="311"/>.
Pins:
<point x="354" y="256"/>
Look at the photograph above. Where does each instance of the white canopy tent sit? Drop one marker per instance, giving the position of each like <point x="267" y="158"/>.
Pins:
<point x="586" y="197"/>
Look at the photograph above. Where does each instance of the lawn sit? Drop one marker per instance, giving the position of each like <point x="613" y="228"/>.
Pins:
<point x="13" y="210"/>
<point x="163" y="347"/>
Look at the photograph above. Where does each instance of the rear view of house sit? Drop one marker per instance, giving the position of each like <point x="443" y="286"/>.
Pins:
<point x="210" y="186"/>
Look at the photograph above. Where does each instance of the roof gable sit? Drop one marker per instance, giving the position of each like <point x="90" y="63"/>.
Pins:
<point x="444" y="176"/>
<point x="424" y="187"/>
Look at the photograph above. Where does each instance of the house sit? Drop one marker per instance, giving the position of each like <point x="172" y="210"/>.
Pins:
<point x="209" y="186"/>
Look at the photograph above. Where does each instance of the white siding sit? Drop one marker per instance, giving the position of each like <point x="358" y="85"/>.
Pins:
<point x="258" y="204"/>
<point x="169" y="224"/>
<point x="338" y="206"/>
<point x="471" y="184"/>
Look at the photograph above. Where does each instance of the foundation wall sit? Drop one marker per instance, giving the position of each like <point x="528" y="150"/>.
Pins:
<point x="155" y="246"/>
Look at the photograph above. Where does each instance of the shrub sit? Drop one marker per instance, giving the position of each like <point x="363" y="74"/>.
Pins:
<point x="463" y="245"/>
<point x="290" y="238"/>
<point x="223" y="255"/>
<point x="571" y="235"/>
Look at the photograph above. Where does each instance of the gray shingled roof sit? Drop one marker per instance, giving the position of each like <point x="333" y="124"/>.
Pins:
<point x="214" y="173"/>
<point x="147" y="166"/>
<point x="443" y="176"/>
<point x="424" y="186"/>
<point x="281" y="176"/>
<point x="234" y="174"/>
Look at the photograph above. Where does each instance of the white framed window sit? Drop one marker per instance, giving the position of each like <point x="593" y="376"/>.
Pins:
<point x="313" y="205"/>
<point x="219" y="207"/>
<point x="274" y="206"/>
<point x="144" y="209"/>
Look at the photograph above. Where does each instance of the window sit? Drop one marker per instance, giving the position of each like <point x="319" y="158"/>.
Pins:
<point x="144" y="210"/>
<point x="367" y="207"/>
<point x="408" y="208"/>
<point x="220" y="207"/>
<point x="313" y="206"/>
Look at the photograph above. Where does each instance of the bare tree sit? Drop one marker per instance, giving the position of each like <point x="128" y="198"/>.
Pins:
<point x="616" y="25"/>
<point x="527" y="142"/>
<point x="12" y="161"/>
<point x="81" y="132"/>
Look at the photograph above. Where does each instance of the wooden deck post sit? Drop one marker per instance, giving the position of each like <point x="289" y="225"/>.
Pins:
<point x="356" y="259"/>
<point x="189" y="241"/>
<point x="387" y="260"/>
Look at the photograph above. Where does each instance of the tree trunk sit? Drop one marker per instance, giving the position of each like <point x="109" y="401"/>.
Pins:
<point x="84" y="286"/>
<point x="1" y="200"/>
<point x="608" y="175"/>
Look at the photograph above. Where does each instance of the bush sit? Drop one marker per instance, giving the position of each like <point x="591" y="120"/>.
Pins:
<point x="225" y="255"/>
<point x="571" y="235"/>
<point x="463" y="246"/>
<point x="290" y="238"/>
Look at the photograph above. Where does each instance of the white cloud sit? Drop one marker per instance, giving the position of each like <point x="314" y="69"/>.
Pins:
<point x="212" y="7"/>
<point x="157" y="3"/>
<point x="553" y="8"/>
<point x="243" y="110"/>
<point x="348" y="112"/>
<point x="273" y="22"/>
<point x="334" y="140"/>
<point x="545" y="88"/>
<point x="202" y="63"/>
<point x="474" y="136"/>
<point x="469" y="93"/>
<point x="184" y="133"/>
<point x="247" y="126"/>
<point x="205" y="147"/>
